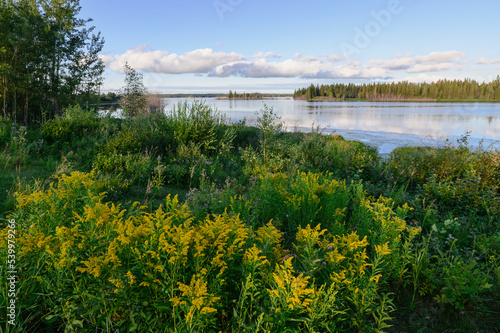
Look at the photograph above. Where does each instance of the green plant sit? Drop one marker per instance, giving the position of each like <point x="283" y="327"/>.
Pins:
<point x="267" y="122"/>
<point x="134" y="101"/>
<point x="200" y="124"/>
<point x="157" y="179"/>
<point x="5" y="128"/>
<point x="460" y="281"/>
<point x="135" y="167"/>
<point x="74" y="125"/>
<point x="19" y="144"/>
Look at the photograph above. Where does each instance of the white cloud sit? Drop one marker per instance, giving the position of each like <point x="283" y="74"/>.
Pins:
<point x="221" y="64"/>
<point x="106" y="59"/>
<point x="484" y="61"/>
<point x="433" y="62"/>
<point x="420" y="68"/>
<point x="207" y="62"/>
<point x="335" y="57"/>
<point x="395" y="64"/>
<point x="423" y="78"/>
<point x="438" y="57"/>
<point x="197" y="61"/>
<point x="263" y="55"/>
<point x="399" y="55"/>
<point x="307" y="67"/>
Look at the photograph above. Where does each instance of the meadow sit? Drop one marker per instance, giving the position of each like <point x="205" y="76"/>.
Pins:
<point x="184" y="222"/>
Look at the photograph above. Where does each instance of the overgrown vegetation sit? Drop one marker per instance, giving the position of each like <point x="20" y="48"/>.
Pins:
<point x="183" y="222"/>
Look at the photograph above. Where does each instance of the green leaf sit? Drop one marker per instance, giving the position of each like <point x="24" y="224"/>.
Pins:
<point x="163" y="306"/>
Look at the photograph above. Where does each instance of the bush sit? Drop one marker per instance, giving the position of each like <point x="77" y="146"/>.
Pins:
<point x="200" y="124"/>
<point x="416" y="165"/>
<point x="74" y="125"/>
<point x="246" y="137"/>
<point x="460" y="182"/>
<point x="136" y="168"/>
<point x="300" y="200"/>
<point x="345" y="159"/>
<point x="140" y="134"/>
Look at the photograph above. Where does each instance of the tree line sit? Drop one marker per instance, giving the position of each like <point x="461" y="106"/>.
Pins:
<point x="441" y="90"/>
<point x="235" y="95"/>
<point x="48" y="59"/>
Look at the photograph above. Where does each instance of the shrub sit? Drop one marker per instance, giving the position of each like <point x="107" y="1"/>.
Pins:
<point x="348" y="159"/>
<point x="133" y="167"/>
<point x="300" y="200"/>
<point x="458" y="280"/>
<point x="208" y="199"/>
<point x="453" y="181"/>
<point x="246" y="137"/>
<point x="416" y="165"/>
<point x="141" y="134"/>
<point x="75" y="124"/>
<point x="256" y="165"/>
<point x="202" y="125"/>
<point x="345" y="159"/>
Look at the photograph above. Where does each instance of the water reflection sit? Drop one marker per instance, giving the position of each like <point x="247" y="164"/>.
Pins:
<point x="389" y="124"/>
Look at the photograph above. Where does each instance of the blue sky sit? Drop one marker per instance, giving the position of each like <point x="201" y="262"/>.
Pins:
<point x="278" y="46"/>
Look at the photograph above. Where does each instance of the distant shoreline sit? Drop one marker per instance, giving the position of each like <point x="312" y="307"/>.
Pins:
<point x="329" y="99"/>
<point x="409" y="100"/>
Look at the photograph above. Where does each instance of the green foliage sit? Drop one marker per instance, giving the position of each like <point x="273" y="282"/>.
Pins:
<point x="141" y="134"/>
<point x="246" y="137"/>
<point x="5" y="126"/>
<point x="300" y="200"/>
<point x="210" y="199"/>
<point x="133" y="101"/>
<point x="131" y="167"/>
<point x="461" y="281"/>
<point x="200" y="124"/>
<point x="19" y="144"/>
<point x="345" y="159"/>
<point x="181" y="271"/>
<point x="378" y="221"/>
<point x="256" y="165"/>
<point x="48" y="58"/>
<point x="457" y="180"/>
<point x="267" y="122"/>
<point x="75" y="124"/>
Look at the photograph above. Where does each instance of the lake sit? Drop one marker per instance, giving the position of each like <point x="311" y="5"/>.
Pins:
<point x="384" y="125"/>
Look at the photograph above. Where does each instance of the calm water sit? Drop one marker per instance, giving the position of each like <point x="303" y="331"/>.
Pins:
<point x="383" y="125"/>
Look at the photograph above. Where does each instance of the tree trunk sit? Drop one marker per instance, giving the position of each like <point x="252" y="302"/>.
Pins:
<point x="14" y="106"/>
<point x="4" y="98"/>
<point x="26" y="110"/>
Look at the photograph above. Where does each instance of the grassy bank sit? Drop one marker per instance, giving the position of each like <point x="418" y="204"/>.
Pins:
<point x="186" y="223"/>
